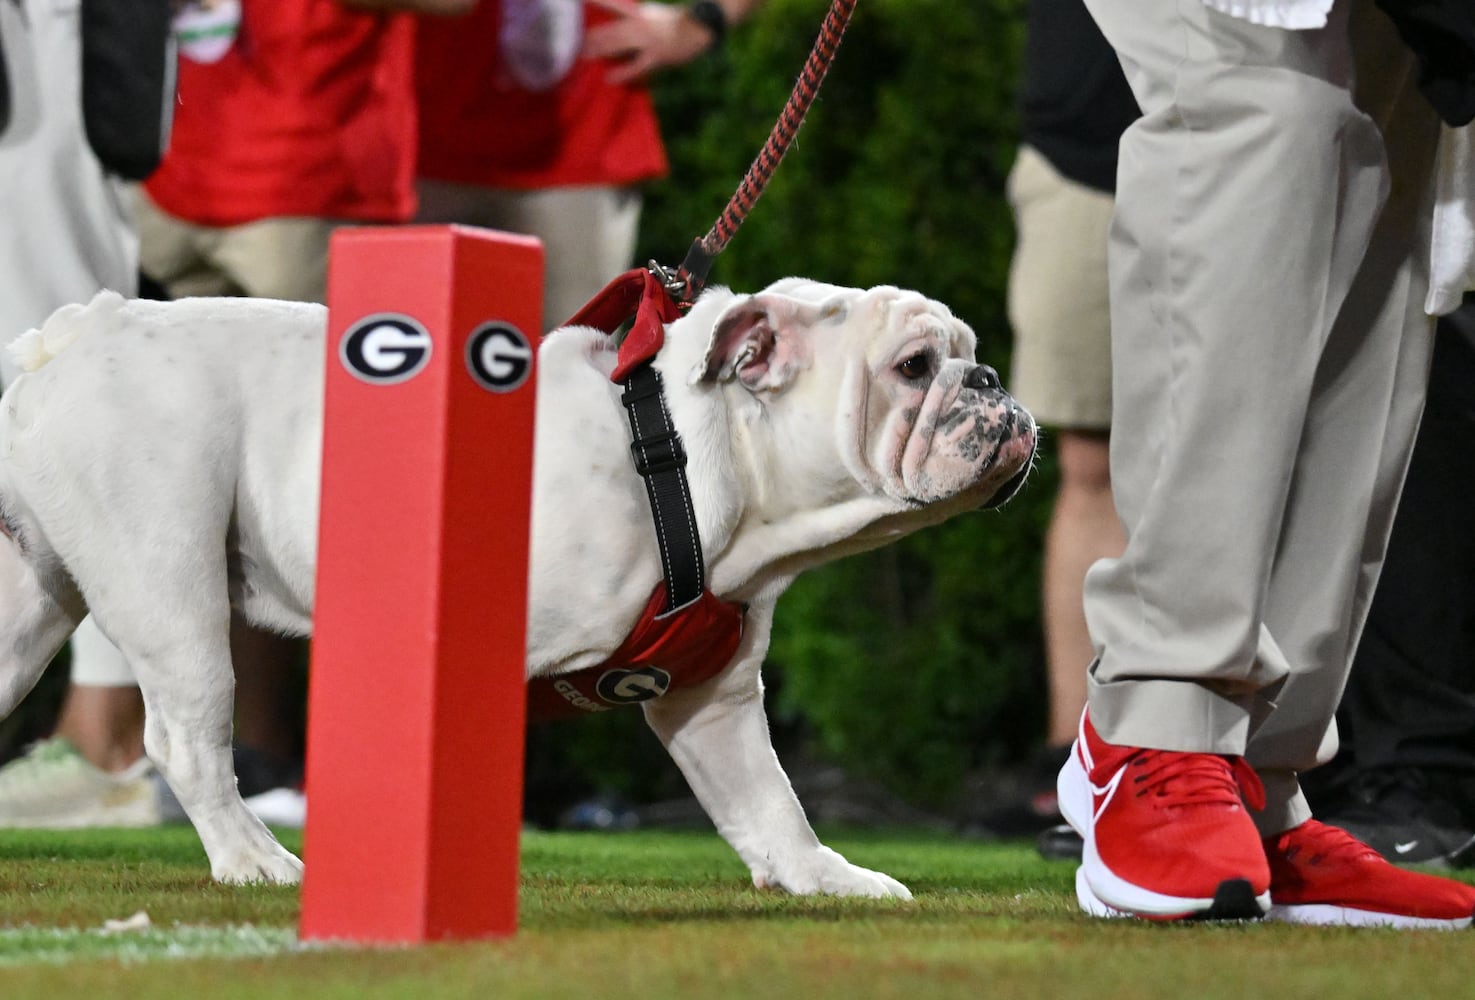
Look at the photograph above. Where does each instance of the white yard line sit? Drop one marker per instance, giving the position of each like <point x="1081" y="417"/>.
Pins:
<point x="57" y="945"/>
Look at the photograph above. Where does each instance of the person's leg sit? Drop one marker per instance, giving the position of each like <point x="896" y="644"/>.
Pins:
<point x="1404" y="777"/>
<point x="268" y="717"/>
<point x="92" y="770"/>
<point x="1176" y="822"/>
<point x="284" y="258"/>
<point x="588" y="235"/>
<point x="450" y="203"/>
<point x="102" y="714"/>
<point x="1084" y="528"/>
<point x="1232" y="252"/>
<point x="1410" y="698"/>
<point x="1232" y="249"/>
<point x="104" y="724"/>
<point x="172" y="252"/>
<point x="1360" y="427"/>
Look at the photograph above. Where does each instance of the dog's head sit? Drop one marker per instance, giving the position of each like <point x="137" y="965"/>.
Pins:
<point x="877" y="389"/>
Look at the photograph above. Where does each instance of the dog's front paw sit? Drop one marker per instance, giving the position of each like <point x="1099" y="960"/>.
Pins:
<point x="279" y="866"/>
<point x="826" y="872"/>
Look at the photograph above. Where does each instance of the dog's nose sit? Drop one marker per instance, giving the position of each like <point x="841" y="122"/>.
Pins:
<point x="982" y="377"/>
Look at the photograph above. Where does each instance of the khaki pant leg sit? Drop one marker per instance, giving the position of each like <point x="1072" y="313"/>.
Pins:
<point x="588" y="233"/>
<point x="1247" y="200"/>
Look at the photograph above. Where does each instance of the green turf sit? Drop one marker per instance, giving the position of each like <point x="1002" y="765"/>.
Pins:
<point x="656" y="915"/>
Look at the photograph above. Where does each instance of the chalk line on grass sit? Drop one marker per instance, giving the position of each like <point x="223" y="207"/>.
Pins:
<point x="27" y="945"/>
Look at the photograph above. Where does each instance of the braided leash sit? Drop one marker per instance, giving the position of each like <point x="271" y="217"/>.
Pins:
<point x="686" y="284"/>
<point x="650" y="298"/>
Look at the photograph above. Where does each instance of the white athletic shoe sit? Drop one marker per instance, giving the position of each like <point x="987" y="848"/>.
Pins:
<point x="280" y="807"/>
<point x="52" y="786"/>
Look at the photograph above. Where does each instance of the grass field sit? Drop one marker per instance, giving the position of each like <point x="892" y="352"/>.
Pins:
<point x="661" y="914"/>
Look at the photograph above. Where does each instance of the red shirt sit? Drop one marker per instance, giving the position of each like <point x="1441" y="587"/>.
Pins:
<point x="478" y="127"/>
<point x="310" y="113"/>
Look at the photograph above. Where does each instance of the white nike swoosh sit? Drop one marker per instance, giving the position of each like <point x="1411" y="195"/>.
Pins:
<point x="1101" y="794"/>
<point x="1405" y="848"/>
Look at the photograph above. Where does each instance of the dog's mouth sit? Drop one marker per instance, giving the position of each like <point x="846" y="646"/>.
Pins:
<point x="1014" y="483"/>
<point x="987" y="464"/>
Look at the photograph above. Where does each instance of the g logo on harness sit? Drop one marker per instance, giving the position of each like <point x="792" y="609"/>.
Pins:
<point x="385" y="348"/>
<point x="626" y="687"/>
<point x="498" y="356"/>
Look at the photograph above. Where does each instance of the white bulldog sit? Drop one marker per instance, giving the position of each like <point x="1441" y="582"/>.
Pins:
<point x="160" y="460"/>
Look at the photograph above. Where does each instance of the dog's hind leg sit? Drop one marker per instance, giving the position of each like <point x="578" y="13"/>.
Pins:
<point x="175" y="634"/>
<point x="187" y="733"/>
<point x="188" y="692"/>
<point x="36" y="615"/>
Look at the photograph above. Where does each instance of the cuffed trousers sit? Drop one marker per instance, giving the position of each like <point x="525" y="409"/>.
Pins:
<point x="1268" y="265"/>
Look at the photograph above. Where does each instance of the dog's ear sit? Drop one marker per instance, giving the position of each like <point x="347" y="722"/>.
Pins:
<point x="760" y="342"/>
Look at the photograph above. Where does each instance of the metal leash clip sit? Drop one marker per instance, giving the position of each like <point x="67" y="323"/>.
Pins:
<point x="677" y="285"/>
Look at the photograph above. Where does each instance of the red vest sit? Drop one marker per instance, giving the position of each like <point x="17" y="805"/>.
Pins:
<point x="478" y="127"/>
<point x="310" y="113"/>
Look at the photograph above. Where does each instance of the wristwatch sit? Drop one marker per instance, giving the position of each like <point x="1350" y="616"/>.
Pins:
<point x="710" y="15"/>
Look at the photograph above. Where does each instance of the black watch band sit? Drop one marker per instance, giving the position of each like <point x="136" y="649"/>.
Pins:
<point x="710" y="15"/>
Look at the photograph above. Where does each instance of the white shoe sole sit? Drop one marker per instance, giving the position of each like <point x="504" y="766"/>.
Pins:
<point x="1327" y="915"/>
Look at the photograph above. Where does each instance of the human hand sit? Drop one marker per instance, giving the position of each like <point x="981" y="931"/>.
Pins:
<point x="642" y="38"/>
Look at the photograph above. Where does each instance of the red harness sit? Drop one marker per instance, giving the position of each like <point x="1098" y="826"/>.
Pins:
<point x="668" y="648"/>
<point x="664" y="652"/>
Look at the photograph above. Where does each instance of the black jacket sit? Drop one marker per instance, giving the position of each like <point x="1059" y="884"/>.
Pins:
<point x="1442" y="35"/>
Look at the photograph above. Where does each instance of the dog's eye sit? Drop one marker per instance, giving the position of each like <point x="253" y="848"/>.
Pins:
<point x="918" y="366"/>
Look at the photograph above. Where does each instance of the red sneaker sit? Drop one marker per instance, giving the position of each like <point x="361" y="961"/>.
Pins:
<point x="1167" y="835"/>
<point x="1320" y="874"/>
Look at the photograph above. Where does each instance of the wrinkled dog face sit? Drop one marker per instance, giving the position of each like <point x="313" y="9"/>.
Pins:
<point x="918" y="419"/>
<point x="936" y="423"/>
<point x="876" y="389"/>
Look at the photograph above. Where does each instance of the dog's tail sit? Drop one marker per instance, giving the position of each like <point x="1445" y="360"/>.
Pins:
<point x="34" y="348"/>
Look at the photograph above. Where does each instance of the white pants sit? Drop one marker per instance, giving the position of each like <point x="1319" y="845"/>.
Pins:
<point x="1269" y="356"/>
<point x="65" y="227"/>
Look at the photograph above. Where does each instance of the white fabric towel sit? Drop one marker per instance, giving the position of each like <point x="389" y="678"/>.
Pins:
<point x="1299" y="15"/>
<point x="1452" y="246"/>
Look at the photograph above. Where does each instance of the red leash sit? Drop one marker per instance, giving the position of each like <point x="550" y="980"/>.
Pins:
<point x="686" y="284"/>
<point x="638" y="294"/>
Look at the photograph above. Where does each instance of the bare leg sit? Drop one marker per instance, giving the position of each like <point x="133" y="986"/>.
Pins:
<point x="1084" y="527"/>
<point x="105" y="724"/>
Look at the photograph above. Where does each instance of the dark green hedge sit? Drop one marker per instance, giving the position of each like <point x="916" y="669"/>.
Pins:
<point x="917" y="662"/>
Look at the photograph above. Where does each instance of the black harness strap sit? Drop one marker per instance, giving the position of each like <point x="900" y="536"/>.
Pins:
<point x="655" y="444"/>
<point x="661" y="461"/>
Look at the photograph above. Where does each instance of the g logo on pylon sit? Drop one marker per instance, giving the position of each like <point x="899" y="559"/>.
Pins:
<point x="499" y="356"/>
<point x="385" y="348"/>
